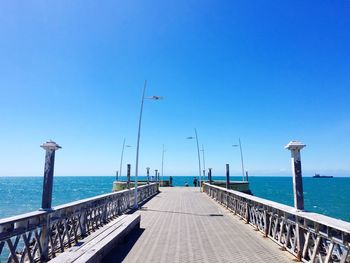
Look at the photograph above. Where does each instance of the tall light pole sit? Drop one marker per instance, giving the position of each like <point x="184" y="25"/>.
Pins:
<point x="138" y="139"/>
<point x="203" y="162"/>
<point x="240" y="148"/>
<point x="163" y="164"/>
<point x="121" y="157"/>
<point x="199" y="159"/>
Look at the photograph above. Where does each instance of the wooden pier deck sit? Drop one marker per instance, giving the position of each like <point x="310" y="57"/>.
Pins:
<point x="184" y="225"/>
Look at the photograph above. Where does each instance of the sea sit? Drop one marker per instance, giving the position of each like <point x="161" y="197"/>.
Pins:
<point x="328" y="196"/>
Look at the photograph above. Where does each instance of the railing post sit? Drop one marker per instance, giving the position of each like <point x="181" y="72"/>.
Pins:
<point x="209" y="175"/>
<point x="128" y="176"/>
<point x="156" y="178"/>
<point x="227" y="176"/>
<point x="105" y="211"/>
<point x="247" y="213"/>
<point x="128" y="182"/>
<point x="158" y="174"/>
<point x="266" y="223"/>
<point x="148" y="174"/>
<point x="300" y="239"/>
<point x="119" y="204"/>
<point x="50" y="148"/>
<point x="295" y="147"/>
<point x="82" y="220"/>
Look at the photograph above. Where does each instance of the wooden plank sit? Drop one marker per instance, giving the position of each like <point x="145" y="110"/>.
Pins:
<point x="98" y="248"/>
<point x="68" y="254"/>
<point x="84" y="245"/>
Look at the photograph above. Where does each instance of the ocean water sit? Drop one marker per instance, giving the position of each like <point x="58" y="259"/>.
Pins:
<point x="326" y="196"/>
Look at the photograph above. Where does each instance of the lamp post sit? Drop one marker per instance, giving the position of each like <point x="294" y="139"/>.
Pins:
<point x="138" y="139"/>
<point x="295" y="148"/>
<point x="121" y="157"/>
<point x="240" y="148"/>
<point x="199" y="159"/>
<point x="163" y="164"/>
<point x="50" y="147"/>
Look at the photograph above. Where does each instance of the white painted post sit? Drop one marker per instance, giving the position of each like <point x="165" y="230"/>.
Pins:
<point x="50" y="147"/>
<point x="295" y="147"/>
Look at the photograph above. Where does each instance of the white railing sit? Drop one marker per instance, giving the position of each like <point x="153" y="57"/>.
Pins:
<point x="310" y="237"/>
<point x="40" y="235"/>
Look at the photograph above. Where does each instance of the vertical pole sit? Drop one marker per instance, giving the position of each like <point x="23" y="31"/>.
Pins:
<point x="295" y="147"/>
<point x="156" y="178"/>
<point x="147" y="174"/>
<point x="121" y="158"/>
<point x="246" y="176"/>
<point x="227" y="176"/>
<point x="50" y="148"/>
<point x="203" y="162"/>
<point x="128" y="176"/>
<point x="128" y="171"/>
<point x="163" y="164"/>
<point x="209" y="175"/>
<point x="138" y="145"/>
<point x="48" y="180"/>
<point x="116" y="175"/>
<point x="199" y="163"/>
<point x="240" y="148"/>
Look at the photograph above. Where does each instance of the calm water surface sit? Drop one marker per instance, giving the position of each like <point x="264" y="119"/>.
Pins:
<point x="23" y="194"/>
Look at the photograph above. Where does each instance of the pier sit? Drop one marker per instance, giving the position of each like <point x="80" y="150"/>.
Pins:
<point x="179" y="224"/>
<point x="183" y="225"/>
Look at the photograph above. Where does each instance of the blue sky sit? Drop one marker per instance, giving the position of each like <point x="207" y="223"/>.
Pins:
<point x="265" y="71"/>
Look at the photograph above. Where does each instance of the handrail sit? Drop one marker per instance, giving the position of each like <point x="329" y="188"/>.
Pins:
<point x="39" y="235"/>
<point x="311" y="237"/>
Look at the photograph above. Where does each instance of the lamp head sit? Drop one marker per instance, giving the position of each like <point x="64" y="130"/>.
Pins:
<point x="295" y="145"/>
<point x="50" y="145"/>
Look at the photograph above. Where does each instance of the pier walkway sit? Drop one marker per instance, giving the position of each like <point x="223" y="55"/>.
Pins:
<point x="183" y="225"/>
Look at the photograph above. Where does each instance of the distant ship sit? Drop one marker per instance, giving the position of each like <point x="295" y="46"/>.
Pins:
<point x="322" y="176"/>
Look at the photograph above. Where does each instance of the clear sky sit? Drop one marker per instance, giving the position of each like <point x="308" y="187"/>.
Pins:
<point x="266" y="71"/>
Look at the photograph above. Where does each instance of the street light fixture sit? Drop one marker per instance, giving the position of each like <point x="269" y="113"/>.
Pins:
<point x="199" y="159"/>
<point x="138" y="139"/>
<point x="121" y="157"/>
<point x="240" y="148"/>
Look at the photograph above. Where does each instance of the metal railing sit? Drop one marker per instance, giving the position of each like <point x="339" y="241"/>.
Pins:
<point x="310" y="237"/>
<point x="38" y="236"/>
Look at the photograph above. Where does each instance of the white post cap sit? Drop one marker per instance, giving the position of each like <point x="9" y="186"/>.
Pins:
<point x="294" y="145"/>
<point x="50" y="145"/>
